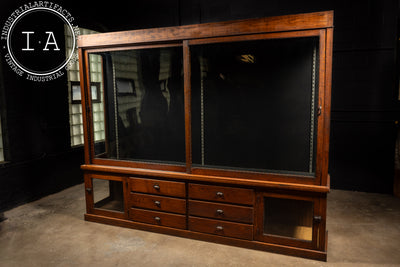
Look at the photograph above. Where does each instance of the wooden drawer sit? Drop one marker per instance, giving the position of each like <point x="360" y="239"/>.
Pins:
<point x="160" y="203"/>
<point x="217" y="227"/>
<point x="221" y="194"/>
<point x="157" y="187"/>
<point x="221" y="211"/>
<point x="158" y="218"/>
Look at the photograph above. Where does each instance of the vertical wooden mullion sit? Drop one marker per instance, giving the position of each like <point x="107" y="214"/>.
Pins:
<point x="321" y="102"/>
<point x="188" y="99"/>
<point x="89" y="108"/>
<point x="327" y="104"/>
<point x="259" y="215"/>
<point x="86" y="104"/>
<point x="126" y="192"/>
<point x="106" y="133"/>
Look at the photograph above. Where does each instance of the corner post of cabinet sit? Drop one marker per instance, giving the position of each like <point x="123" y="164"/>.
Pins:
<point x="327" y="101"/>
<point x="324" y="99"/>
<point x="321" y="234"/>
<point x="88" y="193"/>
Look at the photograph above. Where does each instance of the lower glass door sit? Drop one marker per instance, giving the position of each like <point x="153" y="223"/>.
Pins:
<point x="105" y="195"/>
<point x="287" y="219"/>
<point x="108" y="195"/>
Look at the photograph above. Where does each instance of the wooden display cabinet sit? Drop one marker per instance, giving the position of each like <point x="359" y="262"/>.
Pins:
<point x="216" y="131"/>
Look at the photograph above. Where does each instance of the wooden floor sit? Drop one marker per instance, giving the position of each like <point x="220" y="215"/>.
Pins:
<point x="364" y="230"/>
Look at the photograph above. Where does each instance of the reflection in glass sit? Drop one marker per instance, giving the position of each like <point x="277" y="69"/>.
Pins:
<point x="253" y="105"/>
<point x="288" y="218"/>
<point x="108" y="195"/>
<point x="143" y="93"/>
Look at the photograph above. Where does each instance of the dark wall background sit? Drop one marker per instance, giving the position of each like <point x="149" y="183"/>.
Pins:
<point x="364" y="91"/>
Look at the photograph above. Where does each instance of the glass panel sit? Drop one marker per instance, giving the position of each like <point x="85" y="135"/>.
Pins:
<point x="288" y="217"/>
<point x="143" y="106"/>
<point x="108" y="195"/>
<point x="253" y="105"/>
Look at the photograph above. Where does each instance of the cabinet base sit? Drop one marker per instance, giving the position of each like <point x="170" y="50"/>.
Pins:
<point x="275" y="248"/>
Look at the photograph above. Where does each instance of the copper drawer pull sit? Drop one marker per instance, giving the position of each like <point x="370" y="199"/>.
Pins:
<point x="156" y="187"/>
<point x="157" y="203"/>
<point x="219" y="228"/>
<point x="220" y="194"/>
<point x="220" y="212"/>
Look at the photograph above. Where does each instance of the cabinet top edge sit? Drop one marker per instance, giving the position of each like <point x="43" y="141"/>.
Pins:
<point x="295" y="22"/>
<point x="127" y="171"/>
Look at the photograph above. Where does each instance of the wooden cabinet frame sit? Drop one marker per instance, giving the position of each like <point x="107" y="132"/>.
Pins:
<point x="319" y="25"/>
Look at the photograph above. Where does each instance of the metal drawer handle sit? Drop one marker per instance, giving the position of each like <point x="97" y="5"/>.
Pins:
<point x="89" y="190"/>
<point x="157" y="203"/>
<point x="157" y="218"/>
<point x="219" y="228"/>
<point x="156" y="187"/>
<point x="220" y="212"/>
<point x="220" y="194"/>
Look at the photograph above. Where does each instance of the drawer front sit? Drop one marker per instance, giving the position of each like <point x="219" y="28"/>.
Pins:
<point x="157" y="187"/>
<point x="221" y="194"/>
<point x="158" y="218"/>
<point x="221" y="211"/>
<point x="159" y="203"/>
<point x="217" y="227"/>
